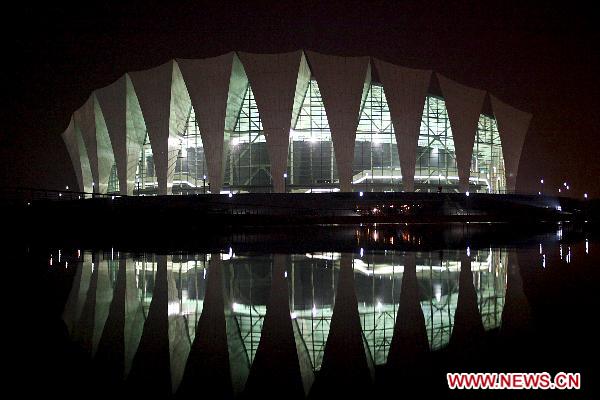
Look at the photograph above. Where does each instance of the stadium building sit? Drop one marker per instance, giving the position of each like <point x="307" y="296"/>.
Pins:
<point x="294" y="122"/>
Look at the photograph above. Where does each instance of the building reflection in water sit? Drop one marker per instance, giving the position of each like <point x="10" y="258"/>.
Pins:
<point x="122" y="304"/>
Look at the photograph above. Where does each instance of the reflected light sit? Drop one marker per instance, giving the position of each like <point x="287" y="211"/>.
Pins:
<point x="561" y="252"/>
<point x="543" y="261"/>
<point x="587" y="247"/>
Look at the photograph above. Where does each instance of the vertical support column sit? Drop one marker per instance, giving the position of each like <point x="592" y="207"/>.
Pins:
<point x="464" y="106"/>
<point x="165" y="104"/>
<point x="90" y="121"/>
<point x="216" y="87"/>
<point x="278" y="82"/>
<point x="126" y="128"/>
<point x="512" y="126"/>
<point x="405" y="92"/>
<point x="344" y="83"/>
<point x="79" y="158"/>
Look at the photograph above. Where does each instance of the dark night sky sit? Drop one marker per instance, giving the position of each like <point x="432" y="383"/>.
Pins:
<point x="539" y="58"/>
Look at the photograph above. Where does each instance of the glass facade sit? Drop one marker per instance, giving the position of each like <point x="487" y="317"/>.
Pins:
<point x="311" y="160"/>
<point x="190" y="176"/>
<point x="247" y="166"/>
<point x="311" y="157"/>
<point x="487" y="164"/>
<point x="436" y="161"/>
<point x="376" y="162"/>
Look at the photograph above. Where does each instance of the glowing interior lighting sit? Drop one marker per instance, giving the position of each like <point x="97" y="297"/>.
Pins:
<point x="285" y="274"/>
<point x="50" y="261"/>
<point x="468" y="251"/>
<point x="543" y="261"/>
<point x="467" y="193"/>
<point x="540" y="248"/>
<point x="541" y="181"/>
<point x="437" y="290"/>
<point x="585" y="195"/>
<point x="59" y="255"/>
<point x="362" y="252"/>
<point x="360" y="194"/>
